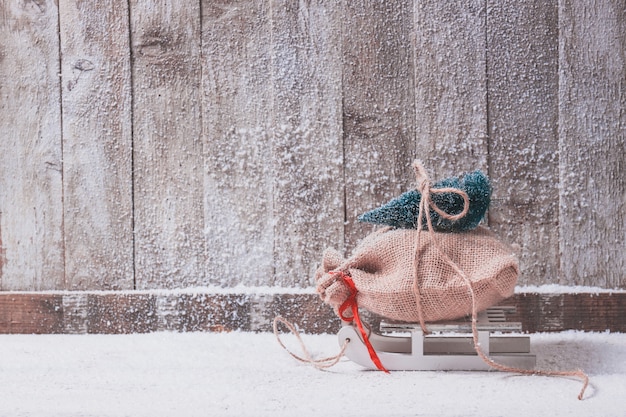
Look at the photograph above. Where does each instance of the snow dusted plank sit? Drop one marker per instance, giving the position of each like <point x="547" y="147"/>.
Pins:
<point x="169" y="247"/>
<point x="149" y="311"/>
<point x="97" y="145"/>
<point x="307" y="137"/>
<point x="522" y="68"/>
<point x="203" y="312"/>
<point x="592" y="133"/>
<point x="451" y="86"/>
<point x="31" y="195"/>
<point x="75" y="312"/>
<point x="121" y="313"/>
<point x="238" y="202"/>
<point x="379" y="107"/>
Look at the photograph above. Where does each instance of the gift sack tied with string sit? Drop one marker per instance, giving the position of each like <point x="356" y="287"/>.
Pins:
<point x="420" y="274"/>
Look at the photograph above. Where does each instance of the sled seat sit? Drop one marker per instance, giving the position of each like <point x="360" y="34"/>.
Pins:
<point x="492" y="319"/>
<point x="448" y="346"/>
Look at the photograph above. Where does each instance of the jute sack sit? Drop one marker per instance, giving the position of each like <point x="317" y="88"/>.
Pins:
<point x="401" y="275"/>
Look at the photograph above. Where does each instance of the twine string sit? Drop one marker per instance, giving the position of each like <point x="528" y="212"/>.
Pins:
<point x="426" y="203"/>
<point x="321" y="363"/>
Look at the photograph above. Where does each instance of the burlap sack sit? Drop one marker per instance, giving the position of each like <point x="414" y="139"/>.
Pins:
<point x="383" y="270"/>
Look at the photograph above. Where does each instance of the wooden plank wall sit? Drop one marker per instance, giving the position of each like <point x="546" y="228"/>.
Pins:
<point x="180" y="144"/>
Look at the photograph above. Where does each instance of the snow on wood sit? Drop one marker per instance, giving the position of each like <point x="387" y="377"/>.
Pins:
<point x="307" y="145"/>
<point x="216" y="143"/>
<point x="31" y="188"/>
<point x="97" y="146"/>
<point x="592" y="145"/>
<point x="167" y="144"/>
<point x="378" y="108"/>
<point x="253" y="309"/>
<point x="237" y="103"/>
<point x="451" y="86"/>
<point x="522" y="68"/>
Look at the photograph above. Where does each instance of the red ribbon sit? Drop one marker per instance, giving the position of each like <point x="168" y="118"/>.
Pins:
<point x="351" y="303"/>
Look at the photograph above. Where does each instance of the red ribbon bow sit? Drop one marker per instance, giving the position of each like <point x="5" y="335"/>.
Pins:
<point x="351" y="303"/>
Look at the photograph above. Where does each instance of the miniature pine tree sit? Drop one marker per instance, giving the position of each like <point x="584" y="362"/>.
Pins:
<point x="402" y="211"/>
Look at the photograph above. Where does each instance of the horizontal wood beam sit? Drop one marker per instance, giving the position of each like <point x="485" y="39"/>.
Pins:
<point x="142" y="312"/>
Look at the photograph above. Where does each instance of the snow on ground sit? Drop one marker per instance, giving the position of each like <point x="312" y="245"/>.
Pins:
<point x="248" y="374"/>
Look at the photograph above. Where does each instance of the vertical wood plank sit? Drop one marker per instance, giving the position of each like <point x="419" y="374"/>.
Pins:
<point x="451" y="86"/>
<point x="379" y="107"/>
<point x="307" y="137"/>
<point x="236" y="86"/>
<point x="592" y="145"/>
<point x="97" y="144"/>
<point x="522" y="69"/>
<point x="169" y="245"/>
<point x="31" y="193"/>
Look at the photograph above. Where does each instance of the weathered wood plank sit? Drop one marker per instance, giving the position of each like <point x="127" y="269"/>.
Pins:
<point x="592" y="145"/>
<point x="237" y="142"/>
<point x="146" y="311"/>
<point x="31" y="193"/>
<point x="169" y="236"/>
<point x="203" y="312"/>
<point x="31" y="313"/>
<point x="97" y="145"/>
<point x="451" y="86"/>
<point x="522" y="69"/>
<point x="379" y="107"/>
<point x="307" y="137"/>
<point x="114" y="313"/>
<point x="75" y="312"/>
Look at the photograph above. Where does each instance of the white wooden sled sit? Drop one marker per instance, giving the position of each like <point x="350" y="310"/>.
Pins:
<point x="448" y="347"/>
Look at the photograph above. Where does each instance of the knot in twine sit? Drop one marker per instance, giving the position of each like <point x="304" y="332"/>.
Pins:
<point x="425" y="189"/>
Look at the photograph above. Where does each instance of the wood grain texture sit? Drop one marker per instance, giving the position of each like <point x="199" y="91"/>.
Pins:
<point x="31" y="194"/>
<point x="31" y="313"/>
<point x="306" y="137"/>
<point x="229" y="142"/>
<point x="451" y="86"/>
<point x="140" y="312"/>
<point x="378" y="107"/>
<point x="191" y="312"/>
<point x="168" y="191"/>
<point x="592" y="142"/>
<point x="238" y="184"/>
<point x="97" y="145"/>
<point x="522" y="69"/>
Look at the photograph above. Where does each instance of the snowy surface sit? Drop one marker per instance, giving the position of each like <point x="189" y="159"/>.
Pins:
<point x="248" y="374"/>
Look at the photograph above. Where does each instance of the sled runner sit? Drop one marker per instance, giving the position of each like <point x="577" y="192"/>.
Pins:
<point x="448" y="347"/>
